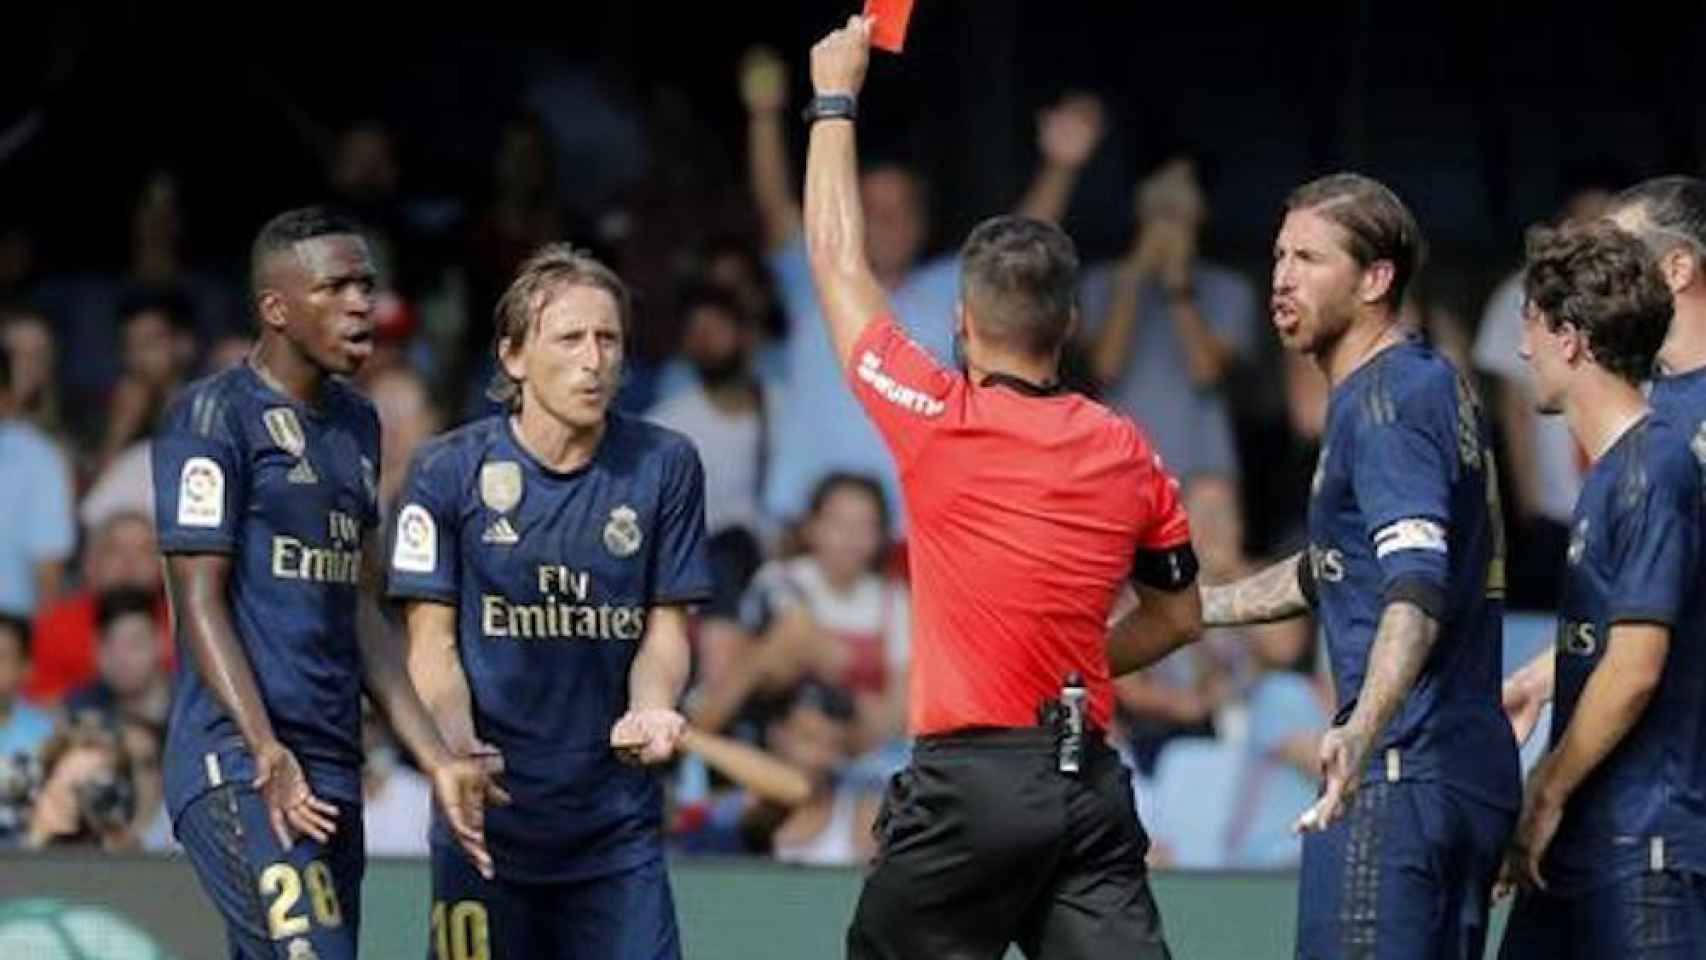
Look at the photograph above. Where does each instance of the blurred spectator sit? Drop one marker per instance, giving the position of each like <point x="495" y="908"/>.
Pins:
<point x="158" y="347"/>
<point x="88" y="794"/>
<point x="227" y="352"/>
<point x="151" y="825"/>
<point x="396" y="801"/>
<point x="23" y="728"/>
<point x="827" y="616"/>
<point x="1168" y="327"/>
<point x="832" y="826"/>
<point x="1542" y="461"/>
<point x="731" y="266"/>
<point x="85" y="307"/>
<point x="32" y="352"/>
<point x="17" y="262"/>
<point x="131" y="681"/>
<point x="36" y="530"/>
<point x="121" y="554"/>
<point x="1287" y="714"/>
<point x="406" y="419"/>
<point x="923" y="294"/>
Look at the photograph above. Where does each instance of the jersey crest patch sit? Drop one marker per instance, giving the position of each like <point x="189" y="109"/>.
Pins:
<point x="201" y="493"/>
<point x="286" y="433"/>
<point x="417" y="541"/>
<point x="622" y="535"/>
<point x="500" y="491"/>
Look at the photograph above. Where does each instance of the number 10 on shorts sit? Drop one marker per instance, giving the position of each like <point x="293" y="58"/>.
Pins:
<point x="460" y="931"/>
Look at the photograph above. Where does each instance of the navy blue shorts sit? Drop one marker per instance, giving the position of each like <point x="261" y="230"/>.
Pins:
<point x="623" y="916"/>
<point x="277" y="904"/>
<point x="1407" y="872"/>
<point x="1651" y="916"/>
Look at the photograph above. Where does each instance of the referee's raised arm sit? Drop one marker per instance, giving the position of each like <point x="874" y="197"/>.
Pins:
<point x="834" y="221"/>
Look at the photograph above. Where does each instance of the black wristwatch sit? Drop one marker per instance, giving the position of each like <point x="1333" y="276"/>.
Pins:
<point x="830" y="106"/>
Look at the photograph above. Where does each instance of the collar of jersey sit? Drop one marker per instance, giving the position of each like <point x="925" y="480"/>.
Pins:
<point x="1022" y="386"/>
<point x="535" y="463"/>
<point x="273" y="394"/>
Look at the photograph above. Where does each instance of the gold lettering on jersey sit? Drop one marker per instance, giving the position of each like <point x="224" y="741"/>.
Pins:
<point x="294" y="560"/>
<point x="286" y="430"/>
<point x="1577" y="638"/>
<point x="1327" y="564"/>
<point x="342" y="527"/>
<point x="554" y="619"/>
<point x="555" y="578"/>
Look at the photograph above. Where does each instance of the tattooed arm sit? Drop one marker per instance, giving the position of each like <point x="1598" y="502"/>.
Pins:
<point x="1275" y="593"/>
<point x="1402" y="642"/>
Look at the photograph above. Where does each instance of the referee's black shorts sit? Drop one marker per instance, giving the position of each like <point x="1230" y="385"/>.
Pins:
<point x="983" y="842"/>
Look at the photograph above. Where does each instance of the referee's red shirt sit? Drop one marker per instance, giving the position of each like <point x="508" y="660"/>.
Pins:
<point x="1025" y="514"/>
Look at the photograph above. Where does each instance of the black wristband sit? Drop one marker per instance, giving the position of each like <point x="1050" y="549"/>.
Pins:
<point x="1306" y="578"/>
<point x="1171" y="569"/>
<point x="830" y="106"/>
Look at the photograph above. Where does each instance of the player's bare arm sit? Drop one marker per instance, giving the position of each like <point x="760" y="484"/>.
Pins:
<point x="433" y="667"/>
<point x="1163" y="621"/>
<point x="1274" y="593"/>
<point x="197" y="585"/>
<point x="834" y="221"/>
<point x="1616" y="695"/>
<point x="1402" y="642"/>
<point x="461" y="784"/>
<point x="651" y="731"/>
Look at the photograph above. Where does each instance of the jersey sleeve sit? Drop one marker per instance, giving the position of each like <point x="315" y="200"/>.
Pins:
<point x="1164" y="558"/>
<point x="424" y="553"/>
<point x="903" y="389"/>
<point x="681" y="571"/>
<point x="1401" y="471"/>
<point x="1655" y="542"/>
<point x="200" y="477"/>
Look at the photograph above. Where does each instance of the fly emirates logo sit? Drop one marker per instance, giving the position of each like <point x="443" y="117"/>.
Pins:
<point x="895" y="392"/>
<point x="296" y="559"/>
<point x="566" y="612"/>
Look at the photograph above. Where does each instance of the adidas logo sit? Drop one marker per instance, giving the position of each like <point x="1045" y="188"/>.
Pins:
<point x="500" y="532"/>
<point x="302" y="473"/>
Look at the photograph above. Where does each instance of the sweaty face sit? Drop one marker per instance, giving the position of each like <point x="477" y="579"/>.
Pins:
<point x="570" y="362"/>
<point x="894" y="219"/>
<point x="129" y="654"/>
<point x="326" y="285"/>
<point x="1315" y="283"/>
<point x="846" y="533"/>
<point x="1548" y="353"/>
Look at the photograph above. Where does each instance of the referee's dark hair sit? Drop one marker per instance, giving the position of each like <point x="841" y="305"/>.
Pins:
<point x="291" y="228"/>
<point x="1019" y="279"/>
<point x="1376" y="223"/>
<point x="1605" y="283"/>
<point x="1673" y="213"/>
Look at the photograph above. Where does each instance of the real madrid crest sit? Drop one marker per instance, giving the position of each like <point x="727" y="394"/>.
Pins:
<point x="622" y="534"/>
<point x="287" y="435"/>
<point x="500" y="491"/>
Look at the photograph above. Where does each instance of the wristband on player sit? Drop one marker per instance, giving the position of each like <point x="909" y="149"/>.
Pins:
<point x="1306" y="579"/>
<point x="830" y="106"/>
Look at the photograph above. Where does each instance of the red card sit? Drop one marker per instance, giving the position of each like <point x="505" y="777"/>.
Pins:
<point x="889" y="30"/>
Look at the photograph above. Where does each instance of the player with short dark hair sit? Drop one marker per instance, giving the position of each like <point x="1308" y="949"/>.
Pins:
<point x="265" y="486"/>
<point x="546" y="558"/>
<point x="1031" y="506"/>
<point x="1405" y="571"/>
<point x="1611" y="847"/>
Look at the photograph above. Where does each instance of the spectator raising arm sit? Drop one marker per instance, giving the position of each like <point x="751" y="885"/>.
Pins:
<point x="764" y="88"/>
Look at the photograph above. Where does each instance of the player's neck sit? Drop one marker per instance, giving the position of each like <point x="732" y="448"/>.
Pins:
<point x="1600" y="409"/>
<point x="286" y="370"/>
<point x="559" y="446"/>
<point x="1359" y="344"/>
<point x="1038" y="371"/>
<point x="1685" y="349"/>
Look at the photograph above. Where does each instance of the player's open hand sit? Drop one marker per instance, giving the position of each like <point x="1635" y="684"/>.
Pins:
<point x="292" y="807"/>
<point x="464" y="788"/>
<point x="839" y="60"/>
<point x="1069" y="131"/>
<point x="1344" y="752"/>
<point x="1542" y="812"/>
<point x="647" y="737"/>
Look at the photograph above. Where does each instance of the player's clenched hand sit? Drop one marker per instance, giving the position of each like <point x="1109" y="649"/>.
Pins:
<point x="839" y="60"/>
<point x="291" y="807"/>
<point x="464" y="786"/>
<point x="1344" y="752"/>
<point x="1522" y="707"/>
<point x="1542" y="812"/>
<point x="647" y="736"/>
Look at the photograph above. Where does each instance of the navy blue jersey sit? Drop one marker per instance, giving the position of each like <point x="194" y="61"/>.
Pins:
<point x="553" y="575"/>
<point x="1404" y="506"/>
<point x="1681" y="397"/>
<point x="288" y="491"/>
<point x="1634" y="557"/>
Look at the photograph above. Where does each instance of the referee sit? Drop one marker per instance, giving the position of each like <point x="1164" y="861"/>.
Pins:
<point x="1029" y="507"/>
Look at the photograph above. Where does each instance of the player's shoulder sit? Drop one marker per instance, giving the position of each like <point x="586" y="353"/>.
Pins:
<point x="457" y="450"/>
<point x="205" y="406"/>
<point x="1666" y="450"/>
<point x="637" y="437"/>
<point x="344" y="401"/>
<point x="1408" y="380"/>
